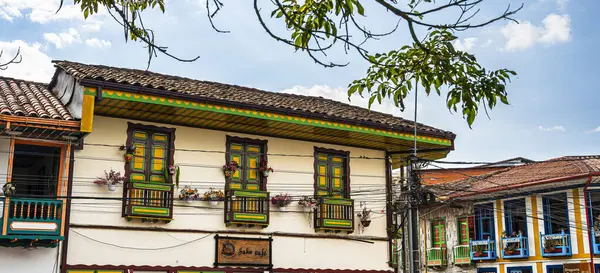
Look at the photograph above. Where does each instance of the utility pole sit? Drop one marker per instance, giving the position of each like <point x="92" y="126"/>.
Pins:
<point x="413" y="199"/>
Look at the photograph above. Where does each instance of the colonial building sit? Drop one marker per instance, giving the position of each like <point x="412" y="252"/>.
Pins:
<point x="180" y="175"/>
<point x="528" y="218"/>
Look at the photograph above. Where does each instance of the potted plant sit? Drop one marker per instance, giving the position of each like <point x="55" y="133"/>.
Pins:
<point x="479" y="251"/>
<point x="129" y="151"/>
<point x="264" y="168"/>
<point x="188" y="194"/>
<point x="550" y="246"/>
<point x="365" y="217"/>
<point x="173" y="171"/>
<point x="510" y="249"/>
<point x="213" y="196"/>
<point x="111" y="178"/>
<point x="281" y="201"/>
<point x="9" y="189"/>
<point x="230" y="168"/>
<point x="307" y="202"/>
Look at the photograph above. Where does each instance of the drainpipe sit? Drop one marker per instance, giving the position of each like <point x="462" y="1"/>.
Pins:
<point x="589" y="226"/>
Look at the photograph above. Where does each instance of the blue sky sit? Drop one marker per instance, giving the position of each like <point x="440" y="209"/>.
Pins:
<point x="553" y="108"/>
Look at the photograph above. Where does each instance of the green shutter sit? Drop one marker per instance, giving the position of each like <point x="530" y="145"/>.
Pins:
<point x="322" y="175"/>
<point x="438" y="233"/>
<point x="151" y="156"/>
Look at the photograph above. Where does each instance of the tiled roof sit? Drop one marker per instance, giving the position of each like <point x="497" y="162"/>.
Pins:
<point x="505" y="178"/>
<point x="30" y="99"/>
<point x="227" y="93"/>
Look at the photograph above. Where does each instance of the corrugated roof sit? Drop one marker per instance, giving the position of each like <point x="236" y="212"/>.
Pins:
<point x="227" y="93"/>
<point x="30" y="99"/>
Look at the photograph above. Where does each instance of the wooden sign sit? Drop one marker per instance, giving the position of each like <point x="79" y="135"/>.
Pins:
<point x="243" y="251"/>
<point x="577" y="268"/>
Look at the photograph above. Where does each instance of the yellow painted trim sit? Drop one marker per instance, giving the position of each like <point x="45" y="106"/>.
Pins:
<point x="539" y="268"/>
<point x="536" y="227"/>
<point x="501" y="268"/>
<point x="87" y="113"/>
<point x="251" y="217"/>
<point x="578" y="224"/>
<point x="499" y="230"/>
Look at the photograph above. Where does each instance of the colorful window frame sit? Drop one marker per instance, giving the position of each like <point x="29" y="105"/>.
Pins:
<point x="332" y="173"/>
<point x="462" y="229"/>
<point x="248" y="153"/>
<point x="438" y="233"/>
<point x="484" y="222"/>
<point x="155" y="150"/>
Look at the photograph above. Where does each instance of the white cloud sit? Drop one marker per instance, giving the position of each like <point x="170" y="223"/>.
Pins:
<point x="467" y="45"/>
<point x="63" y="39"/>
<point x="555" y="128"/>
<point x="556" y="29"/>
<point x="597" y="130"/>
<point x="487" y="43"/>
<point x="39" y="11"/>
<point x="35" y="65"/>
<point x="562" y="4"/>
<point x="95" y="42"/>
<point x="92" y="25"/>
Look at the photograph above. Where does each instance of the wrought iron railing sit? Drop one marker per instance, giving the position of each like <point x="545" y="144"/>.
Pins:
<point x="462" y="255"/>
<point x="514" y="247"/>
<point x="246" y="208"/>
<point x="555" y="244"/>
<point x="437" y="256"/>
<point x="483" y="250"/>
<point x="334" y="214"/>
<point x="148" y="200"/>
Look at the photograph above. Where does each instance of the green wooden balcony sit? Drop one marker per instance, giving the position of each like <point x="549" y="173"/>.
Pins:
<point x="436" y="257"/>
<point x="462" y="255"/>
<point x="334" y="214"/>
<point x="249" y="208"/>
<point x="31" y="221"/>
<point x="148" y="201"/>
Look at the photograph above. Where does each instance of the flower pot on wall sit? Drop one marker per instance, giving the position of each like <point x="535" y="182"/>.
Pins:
<point x="366" y="223"/>
<point x="188" y="200"/>
<point x="128" y="157"/>
<point x="112" y="187"/>
<point x="266" y="173"/>
<point x="213" y="203"/>
<point x="282" y="209"/>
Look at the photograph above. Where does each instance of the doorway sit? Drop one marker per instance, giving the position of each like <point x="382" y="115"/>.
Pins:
<point x="35" y="170"/>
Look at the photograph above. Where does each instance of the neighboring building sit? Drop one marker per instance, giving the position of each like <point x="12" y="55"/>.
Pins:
<point x="435" y="175"/>
<point x="145" y="125"/>
<point x="521" y="219"/>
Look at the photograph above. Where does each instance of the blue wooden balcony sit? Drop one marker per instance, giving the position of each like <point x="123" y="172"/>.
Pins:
<point x="554" y="245"/>
<point x="514" y="247"/>
<point x="31" y="222"/>
<point x="482" y="250"/>
<point x="596" y="242"/>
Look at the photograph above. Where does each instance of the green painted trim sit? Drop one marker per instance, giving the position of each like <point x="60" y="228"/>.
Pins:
<point x="151" y="186"/>
<point x="187" y="271"/>
<point x="254" y="217"/>
<point x="119" y="95"/>
<point x="337" y="201"/>
<point x="32" y="237"/>
<point x="337" y="223"/>
<point x="258" y="194"/>
<point x="149" y="211"/>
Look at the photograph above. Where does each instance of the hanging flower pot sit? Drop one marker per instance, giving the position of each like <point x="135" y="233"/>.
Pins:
<point x="112" y="187"/>
<point x="365" y="223"/>
<point x="282" y="209"/>
<point x="266" y="173"/>
<point x="264" y="168"/>
<point x="111" y="179"/>
<point x="9" y="189"/>
<point x="128" y="157"/>
<point x="230" y="168"/>
<point x="213" y="203"/>
<point x="189" y="200"/>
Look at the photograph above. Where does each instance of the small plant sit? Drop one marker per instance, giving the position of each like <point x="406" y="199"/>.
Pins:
<point x="110" y="179"/>
<point x="188" y="194"/>
<point x="9" y="189"/>
<point x="214" y="195"/>
<point x="365" y="217"/>
<point x="550" y="245"/>
<point x="281" y="200"/>
<point x="173" y="171"/>
<point x="264" y="168"/>
<point x="307" y="202"/>
<point x="230" y="168"/>
<point x="129" y="151"/>
<point x="479" y="250"/>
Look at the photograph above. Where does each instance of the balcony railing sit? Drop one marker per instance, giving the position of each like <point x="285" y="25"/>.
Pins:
<point x="334" y="214"/>
<point x="462" y="255"/>
<point x="437" y="256"/>
<point x="148" y="201"/>
<point x="247" y="208"/>
<point x="596" y="241"/>
<point x="514" y="247"/>
<point x="34" y="221"/>
<point x="556" y="244"/>
<point x="483" y="250"/>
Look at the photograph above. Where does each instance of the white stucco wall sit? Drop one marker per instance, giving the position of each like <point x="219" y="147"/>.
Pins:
<point x="293" y="174"/>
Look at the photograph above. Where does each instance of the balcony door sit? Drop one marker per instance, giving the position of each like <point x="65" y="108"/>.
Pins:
<point x="515" y="217"/>
<point x="556" y="214"/>
<point x="36" y="170"/>
<point x="248" y="154"/>
<point x="484" y="222"/>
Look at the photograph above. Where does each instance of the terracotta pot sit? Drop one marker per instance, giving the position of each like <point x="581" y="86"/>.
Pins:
<point x="128" y="157"/>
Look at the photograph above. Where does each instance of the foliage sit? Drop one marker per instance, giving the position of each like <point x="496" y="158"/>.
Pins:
<point x="187" y="193"/>
<point x="214" y="195"/>
<point x="281" y="200"/>
<point x="307" y="202"/>
<point x="9" y="189"/>
<point x="230" y="168"/>
<point x="264" y="166"/>
<point x="173" y="170"/>
<point x="315" y="27"/>
<point x="111" y="177"/>
<point x="365" y="214"/>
